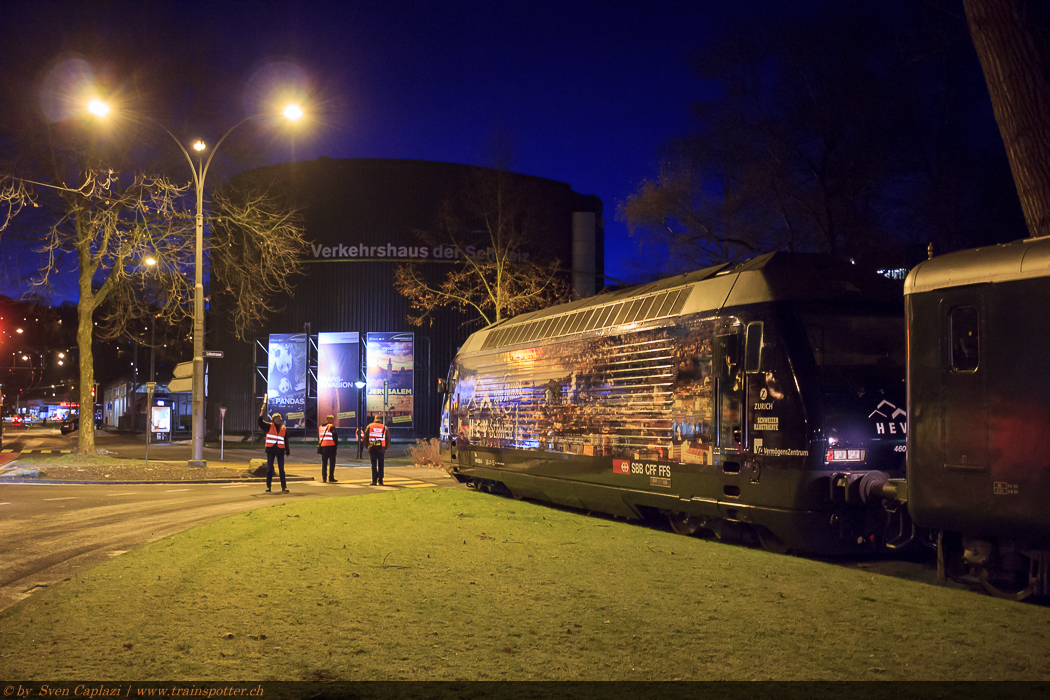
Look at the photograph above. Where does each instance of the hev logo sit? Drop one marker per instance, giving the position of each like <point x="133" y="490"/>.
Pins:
<point x="890" y="420"/>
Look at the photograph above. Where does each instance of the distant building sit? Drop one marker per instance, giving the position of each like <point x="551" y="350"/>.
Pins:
<point x="363" y="218"/>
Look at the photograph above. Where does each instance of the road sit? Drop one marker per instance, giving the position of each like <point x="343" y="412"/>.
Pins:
<point x="49" y="532"/>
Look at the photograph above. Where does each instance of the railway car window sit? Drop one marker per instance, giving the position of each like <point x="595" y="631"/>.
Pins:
<point x="965" y="333"/>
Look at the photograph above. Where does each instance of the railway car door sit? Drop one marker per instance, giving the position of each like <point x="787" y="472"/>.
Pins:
<point x="964" y="408"/>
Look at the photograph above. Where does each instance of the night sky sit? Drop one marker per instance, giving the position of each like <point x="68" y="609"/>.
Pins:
<point x="584" y="92"/>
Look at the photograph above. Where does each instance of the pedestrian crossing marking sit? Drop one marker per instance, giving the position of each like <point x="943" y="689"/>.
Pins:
<point x="41" y="452"/>
<point x="417" y="486"/>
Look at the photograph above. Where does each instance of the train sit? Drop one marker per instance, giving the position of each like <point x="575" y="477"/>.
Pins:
<point x="978" y="471"/>
<point x="770" y="402"/>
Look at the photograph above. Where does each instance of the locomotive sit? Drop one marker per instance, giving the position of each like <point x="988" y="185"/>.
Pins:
<point x="765" y="401"/>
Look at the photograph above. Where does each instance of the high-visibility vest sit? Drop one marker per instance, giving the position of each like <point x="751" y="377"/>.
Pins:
<point x="377" y="433"/>
<point x="275" y="436"/>
<point x="324" y="434"/>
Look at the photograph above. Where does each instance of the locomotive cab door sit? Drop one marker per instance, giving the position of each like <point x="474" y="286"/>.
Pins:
<point x="729" y="414"/>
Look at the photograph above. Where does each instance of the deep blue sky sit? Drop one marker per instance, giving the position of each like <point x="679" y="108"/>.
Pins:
<point x="583" y="91"/>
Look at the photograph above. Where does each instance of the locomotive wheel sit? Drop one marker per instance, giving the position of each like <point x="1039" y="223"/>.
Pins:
<point x="1015" y="592"/>
<point x="770" y="542"/>
<point x="684" y="524"/>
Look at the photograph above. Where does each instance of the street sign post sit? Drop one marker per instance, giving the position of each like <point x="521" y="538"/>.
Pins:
<point x="150" y="386"/>
<point x="222" y="434"/>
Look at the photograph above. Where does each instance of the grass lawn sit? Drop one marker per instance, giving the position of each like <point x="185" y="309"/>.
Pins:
<point x="448" y="584"/>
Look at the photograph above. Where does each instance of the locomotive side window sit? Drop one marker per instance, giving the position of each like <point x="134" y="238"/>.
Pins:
<point x="964" y="329"/>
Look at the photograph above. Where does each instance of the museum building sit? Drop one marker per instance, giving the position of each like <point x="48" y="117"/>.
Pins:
<point x="346" y="324"/>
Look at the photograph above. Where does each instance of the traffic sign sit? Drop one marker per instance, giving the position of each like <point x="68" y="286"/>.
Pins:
<point x="213" y="354"/>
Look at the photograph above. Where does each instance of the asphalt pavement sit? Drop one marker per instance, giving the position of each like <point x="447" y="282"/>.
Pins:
<point x="49" y="532"/>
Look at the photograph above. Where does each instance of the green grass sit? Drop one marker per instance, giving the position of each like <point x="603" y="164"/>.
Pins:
<point x="449" y="584"/>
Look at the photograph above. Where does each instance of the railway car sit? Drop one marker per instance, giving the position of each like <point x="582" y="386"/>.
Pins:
<point x="978" y="472"/>
<point x="765" y="400"/>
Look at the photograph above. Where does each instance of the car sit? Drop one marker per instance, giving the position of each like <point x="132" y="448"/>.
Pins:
<point x="72" y="423"/>
<point x="17" y="421"/>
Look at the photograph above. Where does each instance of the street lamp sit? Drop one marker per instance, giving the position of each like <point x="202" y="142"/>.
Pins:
<point x="200" y="172"/>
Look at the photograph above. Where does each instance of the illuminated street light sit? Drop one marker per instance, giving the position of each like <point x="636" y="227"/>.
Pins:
<point x="150" y="261"/>
<point x="98" y="108"/>
<point x="200" y="172"/>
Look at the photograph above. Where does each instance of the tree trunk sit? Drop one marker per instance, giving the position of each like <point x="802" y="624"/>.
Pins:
<point x="1014" y="73"/>
<point x="85" y="333"/>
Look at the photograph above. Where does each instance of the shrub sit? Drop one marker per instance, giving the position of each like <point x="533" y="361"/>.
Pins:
<point x="426" y="453"/>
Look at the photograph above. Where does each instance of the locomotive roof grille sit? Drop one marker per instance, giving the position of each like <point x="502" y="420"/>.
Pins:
<point x="646" y="308"/>
<point x="772" y="277"/>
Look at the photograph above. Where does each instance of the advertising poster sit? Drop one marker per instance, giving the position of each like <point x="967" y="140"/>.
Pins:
<point x="338" y="367"/>
<point x="161" y="419"/>
<point x="286" y="380"/>
<point x="390" y="358"/>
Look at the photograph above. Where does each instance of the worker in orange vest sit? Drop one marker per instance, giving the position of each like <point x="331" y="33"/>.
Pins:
<point x="378" y="441"/>
<point x="361" y="435"/>
<point x="276" y="445"/>
<point x="327" y="444"/>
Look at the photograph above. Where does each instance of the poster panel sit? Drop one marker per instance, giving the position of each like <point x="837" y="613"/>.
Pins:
<point x="338" y="367"/>
<point x="161" y="419"/>
<point x="286" y="379"/>
<point x="390" y="369"/>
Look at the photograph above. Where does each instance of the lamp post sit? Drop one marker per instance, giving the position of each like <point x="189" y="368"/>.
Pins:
<point x="200" y="172"/>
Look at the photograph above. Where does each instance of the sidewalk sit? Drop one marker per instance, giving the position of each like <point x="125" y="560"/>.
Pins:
<point x="167" y="464"/>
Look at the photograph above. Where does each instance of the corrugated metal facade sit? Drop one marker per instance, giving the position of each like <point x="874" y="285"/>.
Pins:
<point x="374" y="202"/>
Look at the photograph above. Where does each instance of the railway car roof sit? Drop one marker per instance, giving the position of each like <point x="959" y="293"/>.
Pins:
<point x="1024" y="259"/>
<point x="779" y="276"/>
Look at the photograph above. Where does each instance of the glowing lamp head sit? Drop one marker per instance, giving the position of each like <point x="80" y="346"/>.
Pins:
<point x="293" y="112"/>
<point x="150" y="261"/>
<point x="98" y="108"/>
<point x="199" y="146"/>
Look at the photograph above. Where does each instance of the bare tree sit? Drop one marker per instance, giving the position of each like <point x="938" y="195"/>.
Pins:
<point x="256" y="249"/>
<point x="832" y="128"/>
<point x="132" y="246"/>
<point x="1017" y="82"/>
<point x="495" y="275"/>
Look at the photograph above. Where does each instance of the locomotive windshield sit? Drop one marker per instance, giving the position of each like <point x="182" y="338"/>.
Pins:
<point x="852" y="349"/>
